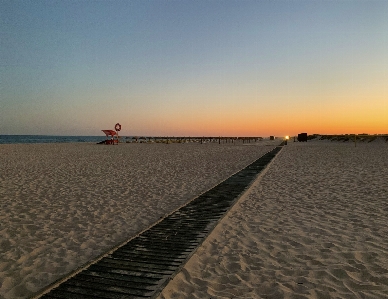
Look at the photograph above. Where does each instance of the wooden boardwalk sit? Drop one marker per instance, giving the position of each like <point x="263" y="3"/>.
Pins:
<point x="142" y="267"/>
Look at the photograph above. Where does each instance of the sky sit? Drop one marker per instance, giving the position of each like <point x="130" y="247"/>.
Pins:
<point x="193" y="68"/>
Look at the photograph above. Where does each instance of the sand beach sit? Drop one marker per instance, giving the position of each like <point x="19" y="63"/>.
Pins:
<point x="63" y="205"/>
<point x="313" y="225"/>
<point x="180" y="209"/>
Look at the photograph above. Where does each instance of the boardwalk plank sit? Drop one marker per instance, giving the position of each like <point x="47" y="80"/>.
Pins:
<point x="141" y="267"/>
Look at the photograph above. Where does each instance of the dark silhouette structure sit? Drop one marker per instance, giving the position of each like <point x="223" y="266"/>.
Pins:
<point x="302" y="137"/>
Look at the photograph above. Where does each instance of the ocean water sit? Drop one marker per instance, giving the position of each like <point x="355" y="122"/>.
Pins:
<point x="7" y="139"/>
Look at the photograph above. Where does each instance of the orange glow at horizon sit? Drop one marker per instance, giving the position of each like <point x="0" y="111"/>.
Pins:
<point x="222" y="114"/>
<point x="281" y="123"/>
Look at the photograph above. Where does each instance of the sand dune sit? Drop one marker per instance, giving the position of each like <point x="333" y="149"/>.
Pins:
<point x="314" y="225"/>
<point x="64" y="204"/>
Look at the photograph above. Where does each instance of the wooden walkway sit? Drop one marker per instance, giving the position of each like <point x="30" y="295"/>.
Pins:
<point x="142" y="267"/>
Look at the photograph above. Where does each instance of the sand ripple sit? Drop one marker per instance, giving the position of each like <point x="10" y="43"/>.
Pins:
<point x="63" y="204"/>
<point x="314" y="226"/>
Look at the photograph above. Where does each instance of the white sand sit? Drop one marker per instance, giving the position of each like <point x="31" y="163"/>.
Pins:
<point x="62" y="205"/>
<point x="314" y="225"/>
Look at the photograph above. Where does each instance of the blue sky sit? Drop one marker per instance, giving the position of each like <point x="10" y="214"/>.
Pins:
<point x="193" y="67"/>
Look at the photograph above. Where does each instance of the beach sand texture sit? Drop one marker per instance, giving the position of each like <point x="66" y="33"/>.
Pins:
<point x="313" y="225"/>
<point x="65" y="204"/>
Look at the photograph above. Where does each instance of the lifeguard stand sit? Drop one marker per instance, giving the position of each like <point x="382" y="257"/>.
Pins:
<point x="111" y="137"/>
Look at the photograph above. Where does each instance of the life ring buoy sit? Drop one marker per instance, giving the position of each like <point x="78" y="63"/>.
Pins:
<point x="117" y="127"/>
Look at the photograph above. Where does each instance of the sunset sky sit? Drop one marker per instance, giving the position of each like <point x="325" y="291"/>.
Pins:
<point x="179" y="68"/>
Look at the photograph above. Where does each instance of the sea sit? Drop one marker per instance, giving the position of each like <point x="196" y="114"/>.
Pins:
<point x="8" y="139"/>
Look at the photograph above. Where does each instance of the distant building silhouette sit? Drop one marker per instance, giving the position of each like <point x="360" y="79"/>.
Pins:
<point x="302" y="137"/>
